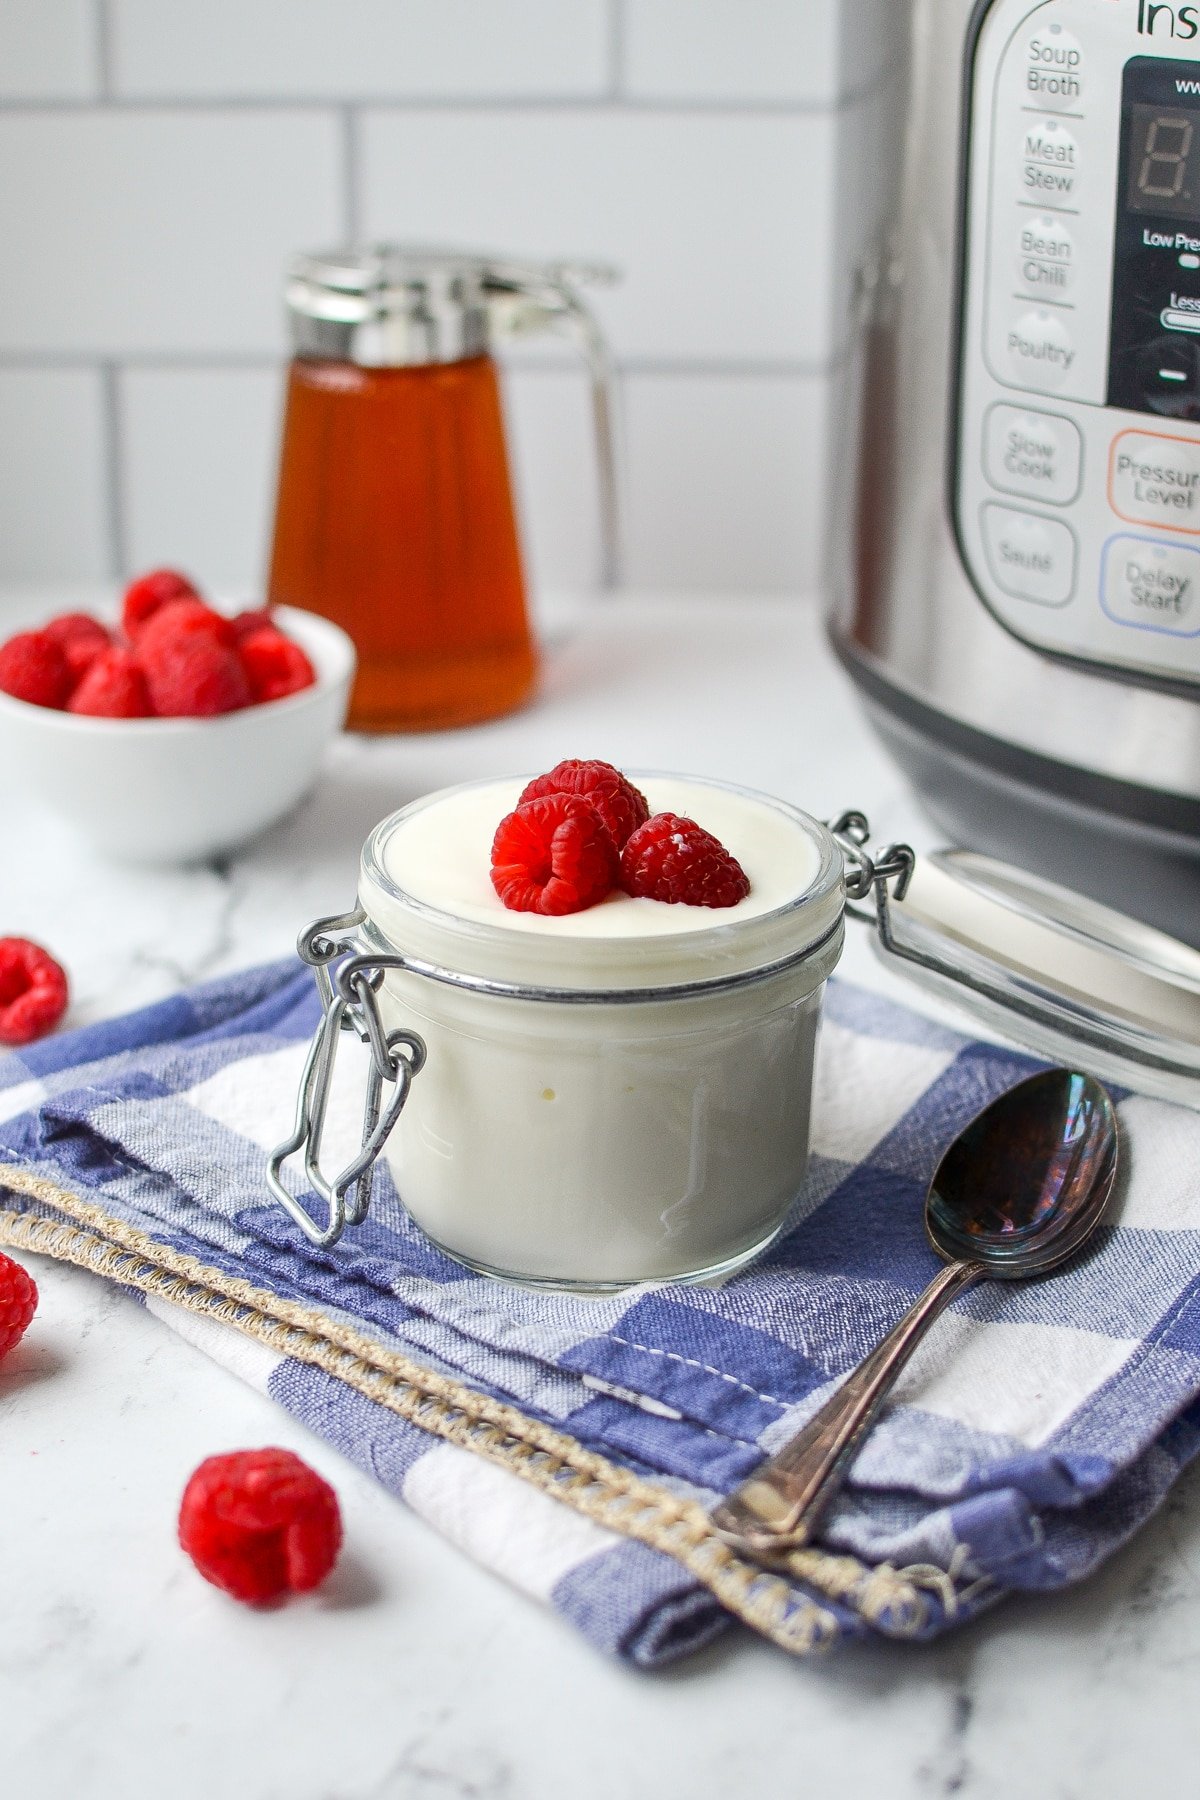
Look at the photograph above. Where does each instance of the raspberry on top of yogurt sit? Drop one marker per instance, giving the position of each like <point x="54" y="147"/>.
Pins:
<point x="583" y="830"/>
<point x="621" y="806"/>
<point x="553" y="855"/>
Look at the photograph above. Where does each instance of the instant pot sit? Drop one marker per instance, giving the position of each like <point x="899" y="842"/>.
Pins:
<point x="1016" y="566"/>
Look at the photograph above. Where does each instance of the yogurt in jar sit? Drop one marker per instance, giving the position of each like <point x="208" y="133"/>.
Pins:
<point x="624" y="1094"/>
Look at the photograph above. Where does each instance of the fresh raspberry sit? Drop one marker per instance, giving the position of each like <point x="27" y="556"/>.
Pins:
<point x="674" y="859"/>
<point x="18" y="1302"/>
<point x="33" y="991"/>
<point x="181" y="620"/>
<point x="260" y="1524"/>
<point x="276" y="666"/>
<point x="81" y="640"/>
<point x="148" y="593"/>
<point x="622" y="806"/>
<point x="553" y="855"/>
<point x="33" y="668"/>
<point x="113" y="688"/>
<point x="192" y="676"/>
<point x="260" y="618"/>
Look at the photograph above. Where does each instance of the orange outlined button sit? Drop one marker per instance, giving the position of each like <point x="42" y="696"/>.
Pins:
<point x="1154" y="480"/>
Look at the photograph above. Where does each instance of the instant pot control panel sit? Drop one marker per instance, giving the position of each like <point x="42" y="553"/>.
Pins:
<point x="1076" y="467"/>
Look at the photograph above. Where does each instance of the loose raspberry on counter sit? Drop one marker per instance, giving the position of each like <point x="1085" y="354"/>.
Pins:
<point x="33" y="991"/>
<point x="260" y="1524"/>
<point x="674" y="859"/>
<point x="145" y="596"/>
<point x="275" y="664"/>
<point x="553" y="855"/>
<point x="81" y="640"/>
<point x="622" y="806"/>
<point x="192" y="676"/>
<point x="113" y="688"/>
<point x="33" y="668"/>
<point x="18" y="1302"/>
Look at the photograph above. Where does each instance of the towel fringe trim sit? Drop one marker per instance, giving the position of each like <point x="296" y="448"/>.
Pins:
<point x="894" y="1601"/>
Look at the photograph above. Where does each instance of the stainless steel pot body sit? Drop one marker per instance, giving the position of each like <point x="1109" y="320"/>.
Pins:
<point x="1090" y="775"/>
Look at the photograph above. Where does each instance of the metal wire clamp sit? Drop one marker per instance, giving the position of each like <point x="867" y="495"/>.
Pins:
<point x="1000" y="994"/>
<point x="869" y="876"/>
<point x="348" y="1003"/>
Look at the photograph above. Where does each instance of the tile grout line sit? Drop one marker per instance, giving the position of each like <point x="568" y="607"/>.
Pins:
<point x="104" y="60"/>
<point x="113" y="473"/>
<point x="141" y="359"/>
<point x="532" y="103"/>
<point x="616" y="48"/>
<point x="351" y="171"/>
<point x="683" y="368"/>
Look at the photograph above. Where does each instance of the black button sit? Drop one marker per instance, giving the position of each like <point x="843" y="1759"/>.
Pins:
<point x="1168" y="376"/>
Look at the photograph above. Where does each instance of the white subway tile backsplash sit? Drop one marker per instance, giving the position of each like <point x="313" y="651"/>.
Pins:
<point x="721" y="223"/>
<point x="53" y="505"/>
<point x="712" y="50"/>
<point x="160" y="161"/>
<point x="355" y="48"/>
<point x="199" y="453"/>
<point x="135" y="233"/>
<point x="727" y="481"/>
<point x="49" y="50"/>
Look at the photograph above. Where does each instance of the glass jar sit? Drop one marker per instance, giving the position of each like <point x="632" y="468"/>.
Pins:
<point x="599" y="1109"/>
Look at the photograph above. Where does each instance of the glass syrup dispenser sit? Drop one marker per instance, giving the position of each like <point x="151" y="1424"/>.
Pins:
<point x="395" y="513"/>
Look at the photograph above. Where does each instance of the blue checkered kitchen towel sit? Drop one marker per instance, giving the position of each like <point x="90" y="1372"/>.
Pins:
<point x="573" y="1444"/>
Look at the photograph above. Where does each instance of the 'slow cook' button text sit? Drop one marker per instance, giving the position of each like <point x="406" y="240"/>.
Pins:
<point x="1035" y="454"/>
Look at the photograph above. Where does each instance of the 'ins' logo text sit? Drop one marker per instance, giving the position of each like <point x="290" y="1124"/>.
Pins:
<point x="1155" y="18"/>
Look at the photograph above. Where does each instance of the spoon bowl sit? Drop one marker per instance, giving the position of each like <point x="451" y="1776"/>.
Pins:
<point x="1027" y="1182"/>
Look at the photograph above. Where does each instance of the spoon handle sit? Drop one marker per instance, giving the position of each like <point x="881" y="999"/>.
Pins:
<point x="777" y="1508"/>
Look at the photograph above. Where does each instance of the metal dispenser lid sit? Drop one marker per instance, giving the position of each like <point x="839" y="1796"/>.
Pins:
<point x="1044" y="967"/>
<point x="399" y="305"/>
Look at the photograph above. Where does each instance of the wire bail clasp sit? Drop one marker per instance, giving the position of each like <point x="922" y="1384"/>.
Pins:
<point x="869" y="876"/>
<point x="349" y="1003"/>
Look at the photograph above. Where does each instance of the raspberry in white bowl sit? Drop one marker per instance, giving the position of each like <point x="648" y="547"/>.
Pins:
<point x="623" y="1094"/>
<point x="161" y="790"/>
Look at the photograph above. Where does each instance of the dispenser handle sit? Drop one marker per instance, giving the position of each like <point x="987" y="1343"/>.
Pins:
<point x="526" y="298"/>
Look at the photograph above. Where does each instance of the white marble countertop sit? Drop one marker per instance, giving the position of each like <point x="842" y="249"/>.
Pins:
<point x="415" y="1675"/>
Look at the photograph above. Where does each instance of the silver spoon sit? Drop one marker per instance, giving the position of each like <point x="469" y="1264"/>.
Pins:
<point x="1016" y="1194"/>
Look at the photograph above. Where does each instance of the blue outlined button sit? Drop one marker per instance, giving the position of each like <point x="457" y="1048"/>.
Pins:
<point x="1151" y="585"/>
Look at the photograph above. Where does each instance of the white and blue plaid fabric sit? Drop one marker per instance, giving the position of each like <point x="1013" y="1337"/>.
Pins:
<point x="1035" y="1430"/>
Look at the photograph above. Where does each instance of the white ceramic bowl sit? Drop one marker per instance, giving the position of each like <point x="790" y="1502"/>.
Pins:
<point x="177" y="790"/>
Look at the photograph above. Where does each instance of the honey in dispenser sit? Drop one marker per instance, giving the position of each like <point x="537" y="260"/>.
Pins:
<point x="395" y="513"/>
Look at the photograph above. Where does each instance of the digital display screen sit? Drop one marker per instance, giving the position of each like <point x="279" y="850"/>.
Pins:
<point x="1164" y="162"/>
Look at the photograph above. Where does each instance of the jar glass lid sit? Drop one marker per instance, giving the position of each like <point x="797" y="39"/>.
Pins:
<point x="1051" y="970"/>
